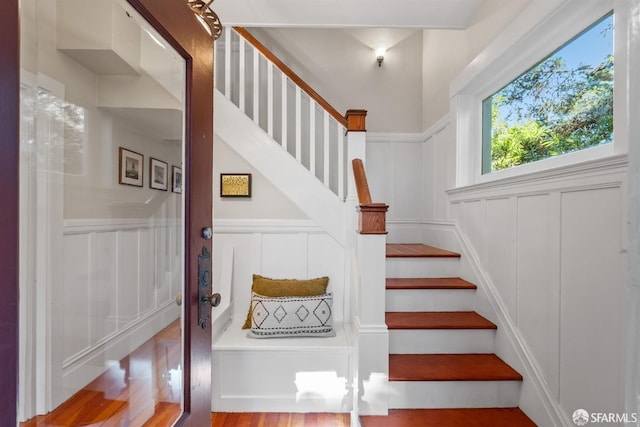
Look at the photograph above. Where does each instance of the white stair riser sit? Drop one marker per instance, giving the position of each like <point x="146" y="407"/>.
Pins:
<point x="453" y="394"/>
<point x="430" y="300"/>
<point x="422" y="267"/>
<point x="441" y="341"/>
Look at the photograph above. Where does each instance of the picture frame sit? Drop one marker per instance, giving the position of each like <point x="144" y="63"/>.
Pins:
<point x="158" y="174"/>
<point x="235" y="185"/>
<point x="176" y="181"/>
<point x="131" y="167"/>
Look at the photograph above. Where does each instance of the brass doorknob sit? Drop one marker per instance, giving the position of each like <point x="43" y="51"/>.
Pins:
<point x="179" y="299"/>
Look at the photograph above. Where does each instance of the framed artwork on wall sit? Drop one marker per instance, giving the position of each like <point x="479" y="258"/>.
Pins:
<point x="159" y="174"/>
<point x="131" y="168"/>
<point x="176" y="186"/>
<point x="235" y="185"/>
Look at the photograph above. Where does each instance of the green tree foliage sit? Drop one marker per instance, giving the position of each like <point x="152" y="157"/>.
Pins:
<point x="550" y="110"/>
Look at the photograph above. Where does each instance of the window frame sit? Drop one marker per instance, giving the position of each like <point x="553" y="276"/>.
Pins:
<point x="487" y="122"/>
<point x="540" y="30"/>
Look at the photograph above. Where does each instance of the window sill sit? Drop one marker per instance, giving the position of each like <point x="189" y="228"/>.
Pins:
<point x="573" y="171"/>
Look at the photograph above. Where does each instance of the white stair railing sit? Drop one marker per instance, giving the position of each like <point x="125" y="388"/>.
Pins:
<point x="285" y="107"/>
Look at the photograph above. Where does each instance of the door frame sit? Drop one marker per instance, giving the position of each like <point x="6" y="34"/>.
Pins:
<point x="9" y="215"/>
<point x="178" y="25"/>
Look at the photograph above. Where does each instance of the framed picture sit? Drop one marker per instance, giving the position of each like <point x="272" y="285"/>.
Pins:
<point x="235" y="185"/>
<point x="159" y="174"/>
<point x="177" y="180"/>
<point x="131" y="168"/>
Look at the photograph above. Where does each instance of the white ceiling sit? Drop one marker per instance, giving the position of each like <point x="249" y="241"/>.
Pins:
<point x="451" y="14"/>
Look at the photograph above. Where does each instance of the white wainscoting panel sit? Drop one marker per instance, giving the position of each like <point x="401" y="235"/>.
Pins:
<point x="128" y="276"/>
<point x="592" y="310"/>
<point x="395" y="176"/>
<point x="73" y="296"/>
<point x="119" y="280"/>
<point x="278" y="249"/>
<point x="553" y="247"/>
<point x="103" y="310"/>
<point x="538" y="275"/>
<point x="501" y="259"/>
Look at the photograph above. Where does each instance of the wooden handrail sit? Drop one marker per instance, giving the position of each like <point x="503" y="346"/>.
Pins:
<point x="362" y="187"/>
<point x="371" y="216"/>
<point x="292" y="75"/>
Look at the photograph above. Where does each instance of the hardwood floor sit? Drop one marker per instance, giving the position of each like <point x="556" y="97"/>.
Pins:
<point x="274" y="419"/>
<point x="143" y="389"/>
<point x="477" y="417"/>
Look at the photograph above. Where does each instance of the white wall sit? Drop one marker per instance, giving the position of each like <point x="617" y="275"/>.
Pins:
<point x="266" y="202"/>
<point x="447" y="52"/>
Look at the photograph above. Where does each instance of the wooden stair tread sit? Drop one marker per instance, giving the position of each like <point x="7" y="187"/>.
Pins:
<point x="467" y="417"/>
<point x="437" y="320"/>
<point x="417" y="250"/>
<point x="429" y="283"/>
<point x="450" y="367"/>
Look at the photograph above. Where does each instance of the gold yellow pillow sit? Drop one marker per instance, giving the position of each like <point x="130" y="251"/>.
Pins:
<point x="286" y="288"/>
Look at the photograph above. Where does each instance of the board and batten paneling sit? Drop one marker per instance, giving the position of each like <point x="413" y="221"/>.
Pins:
<point x="281" y="249"/>
<point x="410" y="173"/>
<point x="593" y="294"/>
<point x="554" y="249"/>
<point x="119" y="281"/>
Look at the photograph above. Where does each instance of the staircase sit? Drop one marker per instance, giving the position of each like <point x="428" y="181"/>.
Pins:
<point x="442" y="370"/>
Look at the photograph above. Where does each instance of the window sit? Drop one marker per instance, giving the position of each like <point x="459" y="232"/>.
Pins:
<point x="562" y="104"/>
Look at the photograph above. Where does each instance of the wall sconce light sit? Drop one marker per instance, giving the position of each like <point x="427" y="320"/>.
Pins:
<point x="380" y="55"/>
<point x="207" y="17"/>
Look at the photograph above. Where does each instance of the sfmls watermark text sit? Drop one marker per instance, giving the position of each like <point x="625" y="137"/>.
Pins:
<point x="581" y="417"/>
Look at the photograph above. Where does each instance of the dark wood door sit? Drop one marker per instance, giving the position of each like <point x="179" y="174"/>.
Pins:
<point x="176" y="22"/>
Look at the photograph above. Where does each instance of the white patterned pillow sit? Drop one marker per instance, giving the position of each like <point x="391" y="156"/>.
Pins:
<point x="291" y="316"/>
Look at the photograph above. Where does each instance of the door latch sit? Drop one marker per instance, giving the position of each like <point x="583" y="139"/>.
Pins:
<point x="206" y="300"/>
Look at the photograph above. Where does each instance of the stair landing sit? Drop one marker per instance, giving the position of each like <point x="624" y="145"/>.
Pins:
<point x="475" y="417"/>
<point x="417" y="250"/>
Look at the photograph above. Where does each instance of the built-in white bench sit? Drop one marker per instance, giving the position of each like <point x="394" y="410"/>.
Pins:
<point x="301" y="374"/>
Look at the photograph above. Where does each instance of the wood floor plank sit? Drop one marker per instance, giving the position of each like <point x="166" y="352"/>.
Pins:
<point x="437" y="320"/>
<point x="450" y="367"/>
<point x="138" y="397"/>
<point x="429" y="283"/>
<point x="280" y="419"/>
<point x="475" y="417"/>
<point x="417" y="250"/>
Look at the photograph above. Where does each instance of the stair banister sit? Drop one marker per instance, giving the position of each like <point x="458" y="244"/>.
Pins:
<point x="293" y="114"/>
<point x="291" y="74"/>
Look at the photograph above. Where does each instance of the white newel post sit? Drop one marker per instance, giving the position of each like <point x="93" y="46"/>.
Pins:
<point x="371" y="330"/>
<point x="366" y="236"/>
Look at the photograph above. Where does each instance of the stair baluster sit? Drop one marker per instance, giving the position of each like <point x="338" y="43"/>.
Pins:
<point x="283" y="105"/>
